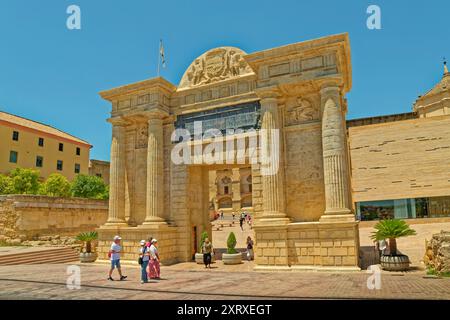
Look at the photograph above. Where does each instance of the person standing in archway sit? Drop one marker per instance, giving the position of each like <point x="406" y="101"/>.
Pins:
<point x="208" y="251"/>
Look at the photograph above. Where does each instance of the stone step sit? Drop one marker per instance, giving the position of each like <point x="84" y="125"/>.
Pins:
<point x="42" y="261"/>
<point x="40" y="256"/>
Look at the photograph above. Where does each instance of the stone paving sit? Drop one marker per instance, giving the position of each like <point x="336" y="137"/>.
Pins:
<point x="49" y="282"/>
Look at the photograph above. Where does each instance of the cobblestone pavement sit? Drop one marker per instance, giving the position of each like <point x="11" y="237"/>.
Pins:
<point x="49" y="282"/>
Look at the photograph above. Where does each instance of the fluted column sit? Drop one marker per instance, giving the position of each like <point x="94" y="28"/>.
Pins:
<point x="272" y="172"/>
<point x="335" y="161"/>
<point x="116" y="212"/>
<point x="155" y="171"/>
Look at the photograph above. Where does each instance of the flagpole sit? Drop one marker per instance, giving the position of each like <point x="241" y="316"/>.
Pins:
<point x="159" y="56"/>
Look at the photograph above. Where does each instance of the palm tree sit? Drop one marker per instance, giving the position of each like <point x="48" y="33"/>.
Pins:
<point x="392" y="229"/>
<point x="87" y="238"/>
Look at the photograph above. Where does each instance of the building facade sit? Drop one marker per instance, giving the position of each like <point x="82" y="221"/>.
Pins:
<point x="401" y="163"/>
<point x="303" y="215"/>
<point x="99" y="169"/>
<point x="30" y="144"/>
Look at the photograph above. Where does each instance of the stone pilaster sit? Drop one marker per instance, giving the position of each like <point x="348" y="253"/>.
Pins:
<point x="272" y="172"/>
<point x="336" y="166"/>
<point x="155" y="171"/>
<point x="236" y="189"/>
<point x="116" y="213"/>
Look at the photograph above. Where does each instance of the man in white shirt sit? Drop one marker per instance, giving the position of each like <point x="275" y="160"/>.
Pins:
<point x="114" y="253"/>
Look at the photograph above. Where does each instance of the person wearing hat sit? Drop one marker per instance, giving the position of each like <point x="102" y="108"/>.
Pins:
<point x="154" y="266"/>
<point x="144" y="257"/>
<point x="114" y="254"/>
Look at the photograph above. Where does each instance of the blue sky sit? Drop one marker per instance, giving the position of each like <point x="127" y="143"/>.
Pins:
<point x="51" y="74"/>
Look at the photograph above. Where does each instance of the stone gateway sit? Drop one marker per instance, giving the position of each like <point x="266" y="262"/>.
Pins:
<point x="303" y="213"/>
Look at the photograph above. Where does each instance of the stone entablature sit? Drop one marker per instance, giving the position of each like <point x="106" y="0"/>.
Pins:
<point x="300" y="89"/>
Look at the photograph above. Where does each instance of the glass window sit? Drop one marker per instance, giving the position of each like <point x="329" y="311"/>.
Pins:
<point x="61" y="147"/>
<point x="78" y="151"/>
<point x="13" y="156"/>
<point x="41" y="142"/>
<point x="15" y="136"/>
<point x="39" y="161"/>
<point x="59" y="165"/>
<point x="77" y="168"/>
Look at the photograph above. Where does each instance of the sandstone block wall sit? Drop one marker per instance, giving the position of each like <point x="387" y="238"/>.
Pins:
<point x="28" y="216"/>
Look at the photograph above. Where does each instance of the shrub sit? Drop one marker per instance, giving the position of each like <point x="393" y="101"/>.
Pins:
<point x="24" y="181"/>
<point x="231" y="243"/>
<point x="203" y="236"/>
<point x="392" y="229"/>
<point x="56" y="185"/>
<point x="87" y="238"/>
<point x="5" y="184"/>
<point x="91" y="187"/>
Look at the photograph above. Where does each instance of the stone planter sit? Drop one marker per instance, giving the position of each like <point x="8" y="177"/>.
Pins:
<point x="395" y="263"/>
<point x="199" y="258"/>
<point x="87" y="257"/>
<point x="232" y="258"/>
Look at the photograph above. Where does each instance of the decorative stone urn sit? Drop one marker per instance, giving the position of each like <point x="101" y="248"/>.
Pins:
<point x="87" y="257"/>
<point x="232" y="258"/>
<point x="395" y="263"/>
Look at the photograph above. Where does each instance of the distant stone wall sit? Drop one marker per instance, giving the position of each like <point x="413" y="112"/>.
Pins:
<point x="28" y="217"/>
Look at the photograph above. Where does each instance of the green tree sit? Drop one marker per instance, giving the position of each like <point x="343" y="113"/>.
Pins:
<point x="87" y="238"/>
<point x="5" y="184"/>
<point x="56" y="185"/>
<point x="24" y="181"/>
<point x="231" y="243"/>
<point x="92" y="187"/>
<point x="392" y="229"/>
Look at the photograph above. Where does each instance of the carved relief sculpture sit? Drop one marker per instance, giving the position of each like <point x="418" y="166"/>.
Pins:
<point x="215" y="65"/>
<point x="141" y="136"/>
<point x="301" y="111"/>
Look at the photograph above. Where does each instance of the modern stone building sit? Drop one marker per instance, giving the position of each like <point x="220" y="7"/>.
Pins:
<point x="30" y="144"/>
<point x="400" y="163"/>
<point x="292" y="96"/>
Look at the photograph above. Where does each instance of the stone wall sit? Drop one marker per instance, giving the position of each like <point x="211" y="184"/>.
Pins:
<point x="28" y="217"/>
<point x="308" y="246"/>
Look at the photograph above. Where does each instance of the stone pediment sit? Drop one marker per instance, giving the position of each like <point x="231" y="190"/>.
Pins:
<point x="215" y="65"/>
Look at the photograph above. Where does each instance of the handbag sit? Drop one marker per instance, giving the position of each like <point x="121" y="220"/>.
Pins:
<point x="141" y="259"/>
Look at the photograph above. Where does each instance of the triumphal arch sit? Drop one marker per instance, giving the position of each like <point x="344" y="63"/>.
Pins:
<point x="302" y="205"/>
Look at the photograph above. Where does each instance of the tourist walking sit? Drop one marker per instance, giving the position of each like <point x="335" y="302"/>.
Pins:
<point x="208" y="251"/>
<point x="241" y="223"/>
<point x="154" y="265"/>
<point x="144" y="257"/>
<point x="221" y="215"/>
<point x="250" y="252"/>
<point x="114" y="254"/>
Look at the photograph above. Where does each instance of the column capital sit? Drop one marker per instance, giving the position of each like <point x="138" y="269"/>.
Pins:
<point x="118" y="121"/>
<point x="268" y="94"/>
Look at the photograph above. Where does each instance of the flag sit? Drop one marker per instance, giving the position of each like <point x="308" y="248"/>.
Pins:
<point x="161" y="54"/>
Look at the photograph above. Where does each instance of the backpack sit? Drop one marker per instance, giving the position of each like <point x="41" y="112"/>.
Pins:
<point x="141" y="259"/>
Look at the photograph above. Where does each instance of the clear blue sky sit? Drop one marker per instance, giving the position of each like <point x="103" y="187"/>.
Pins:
<point x="53" y="75"/>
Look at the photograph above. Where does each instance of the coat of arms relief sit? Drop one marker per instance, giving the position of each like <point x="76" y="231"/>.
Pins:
<point x="215" y="65"/>
<point x="300" y="110"/>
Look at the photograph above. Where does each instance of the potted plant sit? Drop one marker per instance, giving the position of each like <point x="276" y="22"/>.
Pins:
<point x="390" y="230"/>
<point x="87" y="238"/>
<point x="199" y="255"/>
<point x="232" y="256"/>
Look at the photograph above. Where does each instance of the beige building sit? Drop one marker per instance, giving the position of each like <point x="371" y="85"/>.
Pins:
<point x="100" y="169"/>
<point x="231" y="190"/>
<point x="30" y="144"/>
<point x="401" y="163"/>
<point x="293" y="97"/>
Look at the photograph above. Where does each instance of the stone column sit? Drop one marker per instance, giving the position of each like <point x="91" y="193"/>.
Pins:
<point x="272" y="170"/>
<point x="116" y="213"/>
<point x="155" y="171"/>
<point x="236" y="189"/>
<point x="335" y="161"/>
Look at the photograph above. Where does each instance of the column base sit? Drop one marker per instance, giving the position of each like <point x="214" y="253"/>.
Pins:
<point x="272" y="218"/>
<point x="115" y="223"/>
<point x="348" y="217"/>
<point x="154" y="221"/>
